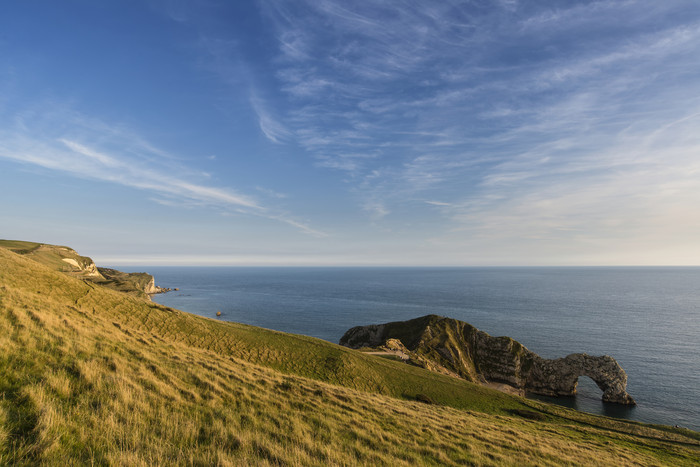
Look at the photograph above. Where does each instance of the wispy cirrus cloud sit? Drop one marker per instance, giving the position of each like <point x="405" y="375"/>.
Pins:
<point x="270" y="126"/>
<point x="456" y="102"/>
<point x="495" y="128"/>
<point x="630" y="198"/>
<point x="87" y="148"/>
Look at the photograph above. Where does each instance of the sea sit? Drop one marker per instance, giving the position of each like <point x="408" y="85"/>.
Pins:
<point x="647" y="318"/>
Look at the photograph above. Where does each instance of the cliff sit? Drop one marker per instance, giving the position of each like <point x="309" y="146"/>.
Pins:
<point x="130" y="282"/>
<point x="454" y="347"/>
<point x="59" y="258"/>
<point x="68" y="261"/>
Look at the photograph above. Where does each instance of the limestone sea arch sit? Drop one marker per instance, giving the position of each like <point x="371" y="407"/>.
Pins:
<point x="451" y="346"/>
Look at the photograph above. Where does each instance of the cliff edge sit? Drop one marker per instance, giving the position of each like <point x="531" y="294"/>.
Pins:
<point x="68" y="261"/>
<point x="451" y="346"/>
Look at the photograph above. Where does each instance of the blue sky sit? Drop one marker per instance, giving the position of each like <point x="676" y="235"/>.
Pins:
<point x="328" y="132"/>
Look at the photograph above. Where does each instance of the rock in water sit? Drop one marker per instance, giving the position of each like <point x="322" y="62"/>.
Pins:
<point x="455" y="347"/>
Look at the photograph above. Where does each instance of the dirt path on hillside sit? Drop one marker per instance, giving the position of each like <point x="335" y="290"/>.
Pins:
<point x="384" y="353"/>
<point x="507" y="388"/>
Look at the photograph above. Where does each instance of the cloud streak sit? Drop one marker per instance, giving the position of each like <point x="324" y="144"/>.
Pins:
<point x="456" y="130"/>
<point x="271" y="127"/>
<point x="520" y="119"/>
<point x="140" y="166"/>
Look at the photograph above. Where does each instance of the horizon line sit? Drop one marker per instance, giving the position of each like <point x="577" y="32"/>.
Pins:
<point x="386" y="265"/>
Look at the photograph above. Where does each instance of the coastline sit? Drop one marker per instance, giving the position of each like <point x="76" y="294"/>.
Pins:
<point x="553" y="311"/>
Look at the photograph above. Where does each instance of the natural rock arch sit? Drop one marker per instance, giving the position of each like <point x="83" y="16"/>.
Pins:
<point x="588" y="386"/>
<point x="454" y="347"/>
<point x="559" y="377"/>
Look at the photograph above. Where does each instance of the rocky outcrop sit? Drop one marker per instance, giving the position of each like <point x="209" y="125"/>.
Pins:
<point x="559" y="377"/>
<point x="68" y="261"/>
<point x="151" y="288"/>
<point x="85" y="268"/>
<point x="454" y="347"/>
<point x="131" y="281"/>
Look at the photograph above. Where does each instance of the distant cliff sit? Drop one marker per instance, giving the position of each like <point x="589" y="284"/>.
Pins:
<point x="68" y="261"/>
<point x="130" y="282"/>
<point x="60" y="258"/>
<point x="454" y="347"/>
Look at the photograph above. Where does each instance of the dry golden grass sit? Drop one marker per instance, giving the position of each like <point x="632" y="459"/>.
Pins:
<point x="88" y="376"/>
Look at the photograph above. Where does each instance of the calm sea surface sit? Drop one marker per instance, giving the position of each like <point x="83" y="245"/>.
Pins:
<point x="647" y="318"/>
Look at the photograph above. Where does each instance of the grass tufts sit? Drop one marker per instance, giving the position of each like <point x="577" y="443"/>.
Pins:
<point x="93" y="376"/>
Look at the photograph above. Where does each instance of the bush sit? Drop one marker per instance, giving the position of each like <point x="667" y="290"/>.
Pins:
<point x="424" y="399"/>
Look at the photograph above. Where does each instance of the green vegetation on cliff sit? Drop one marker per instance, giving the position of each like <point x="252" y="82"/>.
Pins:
<point x="68" y="261"/>
<point x="58" y="258"/>
<point x="91" y="375"/>
<point x="133" y="283"/>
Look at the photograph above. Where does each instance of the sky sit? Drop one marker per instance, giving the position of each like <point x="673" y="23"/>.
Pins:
<point x="343" y="133"/>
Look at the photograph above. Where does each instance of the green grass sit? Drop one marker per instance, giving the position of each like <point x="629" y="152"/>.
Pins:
<point x="90" y="375"/>
<point x="49" y="255"/>
<point x="54" y="256"/>
<point x="19" y="246"/>
<point x="133" y="283"/>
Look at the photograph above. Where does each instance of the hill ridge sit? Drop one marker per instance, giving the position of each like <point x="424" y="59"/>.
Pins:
<point x="67" y="260"/>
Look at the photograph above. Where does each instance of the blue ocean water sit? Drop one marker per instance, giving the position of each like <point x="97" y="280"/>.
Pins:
<point x="647" y="318"/>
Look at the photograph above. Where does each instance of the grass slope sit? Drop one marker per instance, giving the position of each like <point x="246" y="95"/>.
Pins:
<point x="133" y="283"/>
<point x="54" y="257"/>
<point x="90" y="375"/>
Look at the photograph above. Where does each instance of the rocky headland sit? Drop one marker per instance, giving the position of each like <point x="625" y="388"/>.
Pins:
<point x="125" y="281"/>
<point x="457" y="348"/>
<point x="68" y="261"/>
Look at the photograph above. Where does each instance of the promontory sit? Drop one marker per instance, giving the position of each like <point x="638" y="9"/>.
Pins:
<point x="454" y="347"/>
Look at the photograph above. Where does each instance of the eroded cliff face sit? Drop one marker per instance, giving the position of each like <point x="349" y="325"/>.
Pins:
<point x="83" y="268"/>
<point x="68" y="261"/>
<point x="454" y="347"/>
<point x="151" y="288"/>
<point x="131" y="282"/>
<point x="73" y="263"/>
<point x="559" y="377"/>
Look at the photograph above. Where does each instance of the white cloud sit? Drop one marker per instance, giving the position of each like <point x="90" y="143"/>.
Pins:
<point x="271" y="127"/>
<point x="293" y="44"/>
<point x="551" y="123"/>
<point x="377" y="209"/>
<point x="271" y="193"/>
<point x="31" y="143"/>
<point x="438" y="203"/>
<point x="299" y="225"/>
<point x="640" y="190"/>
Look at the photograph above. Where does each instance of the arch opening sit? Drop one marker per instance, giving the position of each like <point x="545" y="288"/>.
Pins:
<point x="588" y="388"/>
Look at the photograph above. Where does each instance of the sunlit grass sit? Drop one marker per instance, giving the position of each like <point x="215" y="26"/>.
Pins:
<point x="88" y="375"/>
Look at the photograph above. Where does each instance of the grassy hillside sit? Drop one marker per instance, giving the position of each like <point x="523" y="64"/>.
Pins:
<point x="133" y="283"/>
<point x="57" y="257"/>
<point x="91" y="375"/>
<point x="66" y="260"/>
